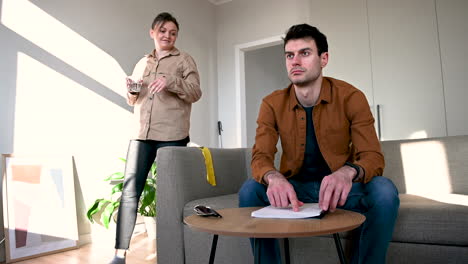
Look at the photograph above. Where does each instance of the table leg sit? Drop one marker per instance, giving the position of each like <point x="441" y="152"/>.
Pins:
<point x="339" y="248"/>
<point x="256" y="251"/>
<point x="286" y="250"/>
<point x="213" y="249"/>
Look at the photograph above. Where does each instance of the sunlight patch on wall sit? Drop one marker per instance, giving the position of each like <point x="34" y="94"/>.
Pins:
<point x="35" y="25"/>
<point x="426" y="168"/>
<point x="418" y="134"/>
<point x="54" y="113"/>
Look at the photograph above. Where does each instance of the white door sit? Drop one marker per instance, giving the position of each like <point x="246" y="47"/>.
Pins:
<point x="452" y="18"/>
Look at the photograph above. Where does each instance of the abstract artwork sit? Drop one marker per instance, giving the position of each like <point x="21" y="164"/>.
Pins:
<point x="38" y="206"/>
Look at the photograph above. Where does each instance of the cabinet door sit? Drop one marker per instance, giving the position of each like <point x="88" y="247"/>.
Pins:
<point x="406" y="69"/>
<point x="347" y="32"/>
<point x="452" y="17"/>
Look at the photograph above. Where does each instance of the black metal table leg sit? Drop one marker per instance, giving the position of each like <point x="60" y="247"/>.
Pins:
<point x="213" y="249"/>
<point x="339" y="248"/>
<point x="286" y="250"/>
<point x="256" y="251"/>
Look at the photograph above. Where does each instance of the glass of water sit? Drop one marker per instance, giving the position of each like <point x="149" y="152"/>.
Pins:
<point x="134" y="86"/>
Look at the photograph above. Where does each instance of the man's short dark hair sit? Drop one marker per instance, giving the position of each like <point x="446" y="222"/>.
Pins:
<point x="301" y="31"/>
<point x="163" y="18"/>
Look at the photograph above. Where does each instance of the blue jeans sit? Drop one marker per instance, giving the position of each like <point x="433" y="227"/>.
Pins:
<point x="377" y="200"/>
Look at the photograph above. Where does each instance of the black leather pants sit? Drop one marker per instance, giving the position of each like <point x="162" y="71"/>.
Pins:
<point x="140" y="156"/>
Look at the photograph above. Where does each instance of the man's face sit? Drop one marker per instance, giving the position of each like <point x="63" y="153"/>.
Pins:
<point x="303" y="63"/>
<point x="164" y="35"/>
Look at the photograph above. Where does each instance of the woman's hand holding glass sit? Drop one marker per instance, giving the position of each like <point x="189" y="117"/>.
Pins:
<point x="134" y="87"/>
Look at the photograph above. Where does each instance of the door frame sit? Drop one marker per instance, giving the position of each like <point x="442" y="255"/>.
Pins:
<point x="240" y="50"/>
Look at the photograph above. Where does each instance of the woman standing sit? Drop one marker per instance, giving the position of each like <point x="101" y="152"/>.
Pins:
<point x="170" y="84"/>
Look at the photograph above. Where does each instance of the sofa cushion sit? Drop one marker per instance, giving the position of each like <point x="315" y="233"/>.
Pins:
<point x="427" y="221"/>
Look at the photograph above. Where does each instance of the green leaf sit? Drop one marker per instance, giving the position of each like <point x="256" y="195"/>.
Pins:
<point x="153" y="169"/>
<point x="117" y="176"/>
<point x="108" y="212"/>
<point x="151" y="182"/>
<point x="117" y="188"/>
<point x="148" y="199"/>
<point x="95" y="208"/>
<point x="92" y="210"/>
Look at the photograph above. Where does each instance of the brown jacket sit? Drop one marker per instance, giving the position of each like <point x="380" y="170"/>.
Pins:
<point x="344" y="127"/>
<point x="166" y="115"/>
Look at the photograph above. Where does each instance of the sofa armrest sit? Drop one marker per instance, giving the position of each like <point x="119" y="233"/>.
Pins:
<point x="182" y="178"/>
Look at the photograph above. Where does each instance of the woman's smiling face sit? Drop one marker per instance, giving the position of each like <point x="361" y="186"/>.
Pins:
<point x="164" y="35"/>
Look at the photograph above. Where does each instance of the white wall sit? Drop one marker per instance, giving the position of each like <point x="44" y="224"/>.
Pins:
<point x="240" y="22"/>
<point x="346" y="27"/>
<point x="62" y="74"/>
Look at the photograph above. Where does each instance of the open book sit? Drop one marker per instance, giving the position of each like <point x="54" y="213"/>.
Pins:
<point x="308" y="210"/>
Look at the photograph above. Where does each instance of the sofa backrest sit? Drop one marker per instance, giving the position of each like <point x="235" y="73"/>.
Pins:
<point x="418" y="166"/>
<point x="427" y="166"/>
<point x="248" y="155"/>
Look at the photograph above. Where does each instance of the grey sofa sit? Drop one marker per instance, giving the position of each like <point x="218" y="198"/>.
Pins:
<point x="432" y="225"/>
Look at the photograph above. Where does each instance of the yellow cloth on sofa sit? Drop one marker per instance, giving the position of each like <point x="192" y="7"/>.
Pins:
<point x="210" y="176"/>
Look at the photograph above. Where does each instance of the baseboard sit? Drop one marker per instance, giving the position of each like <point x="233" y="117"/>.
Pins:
<point x="85" y="239"/>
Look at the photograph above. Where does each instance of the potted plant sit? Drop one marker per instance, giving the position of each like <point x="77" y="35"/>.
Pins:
<point x="108" y="206"/>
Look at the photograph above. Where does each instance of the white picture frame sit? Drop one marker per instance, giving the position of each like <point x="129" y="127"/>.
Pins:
<point x="39" y="206"/>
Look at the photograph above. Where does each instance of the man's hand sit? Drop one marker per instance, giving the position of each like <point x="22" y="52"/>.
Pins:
<point x="280" y="192"/>
<point x="335" y="188"/>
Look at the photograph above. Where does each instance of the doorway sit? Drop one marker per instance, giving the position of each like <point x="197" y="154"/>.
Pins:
<point x="265" y="72"/>
<point x="260" y="70"/>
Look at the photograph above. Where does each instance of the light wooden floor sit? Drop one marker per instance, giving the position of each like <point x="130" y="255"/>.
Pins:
<point x="142" y="252"/>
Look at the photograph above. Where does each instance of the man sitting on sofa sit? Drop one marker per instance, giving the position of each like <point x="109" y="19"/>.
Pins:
<point x="331" y="154"/>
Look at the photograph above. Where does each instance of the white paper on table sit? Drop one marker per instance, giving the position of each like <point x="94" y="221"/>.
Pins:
<point x="305" y="211"/>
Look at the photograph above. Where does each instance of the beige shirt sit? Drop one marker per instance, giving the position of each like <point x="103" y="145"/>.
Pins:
<point x="165" y="116"/>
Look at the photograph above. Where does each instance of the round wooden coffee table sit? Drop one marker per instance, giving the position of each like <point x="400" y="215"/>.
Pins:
<point x="238" y="222"/>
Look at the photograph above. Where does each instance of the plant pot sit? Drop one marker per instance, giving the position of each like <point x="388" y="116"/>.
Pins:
<point x="150" y="224"/>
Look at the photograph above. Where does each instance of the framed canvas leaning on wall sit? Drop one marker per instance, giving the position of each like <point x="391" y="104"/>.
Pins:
<point x="39" y="208"/>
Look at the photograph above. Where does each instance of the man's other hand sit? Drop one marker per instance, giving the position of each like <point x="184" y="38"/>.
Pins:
<point x="335" y="188"/>
<point x="280" y="192"/>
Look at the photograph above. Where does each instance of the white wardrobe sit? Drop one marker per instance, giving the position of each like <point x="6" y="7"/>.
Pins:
<point x="409" y="57"/>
